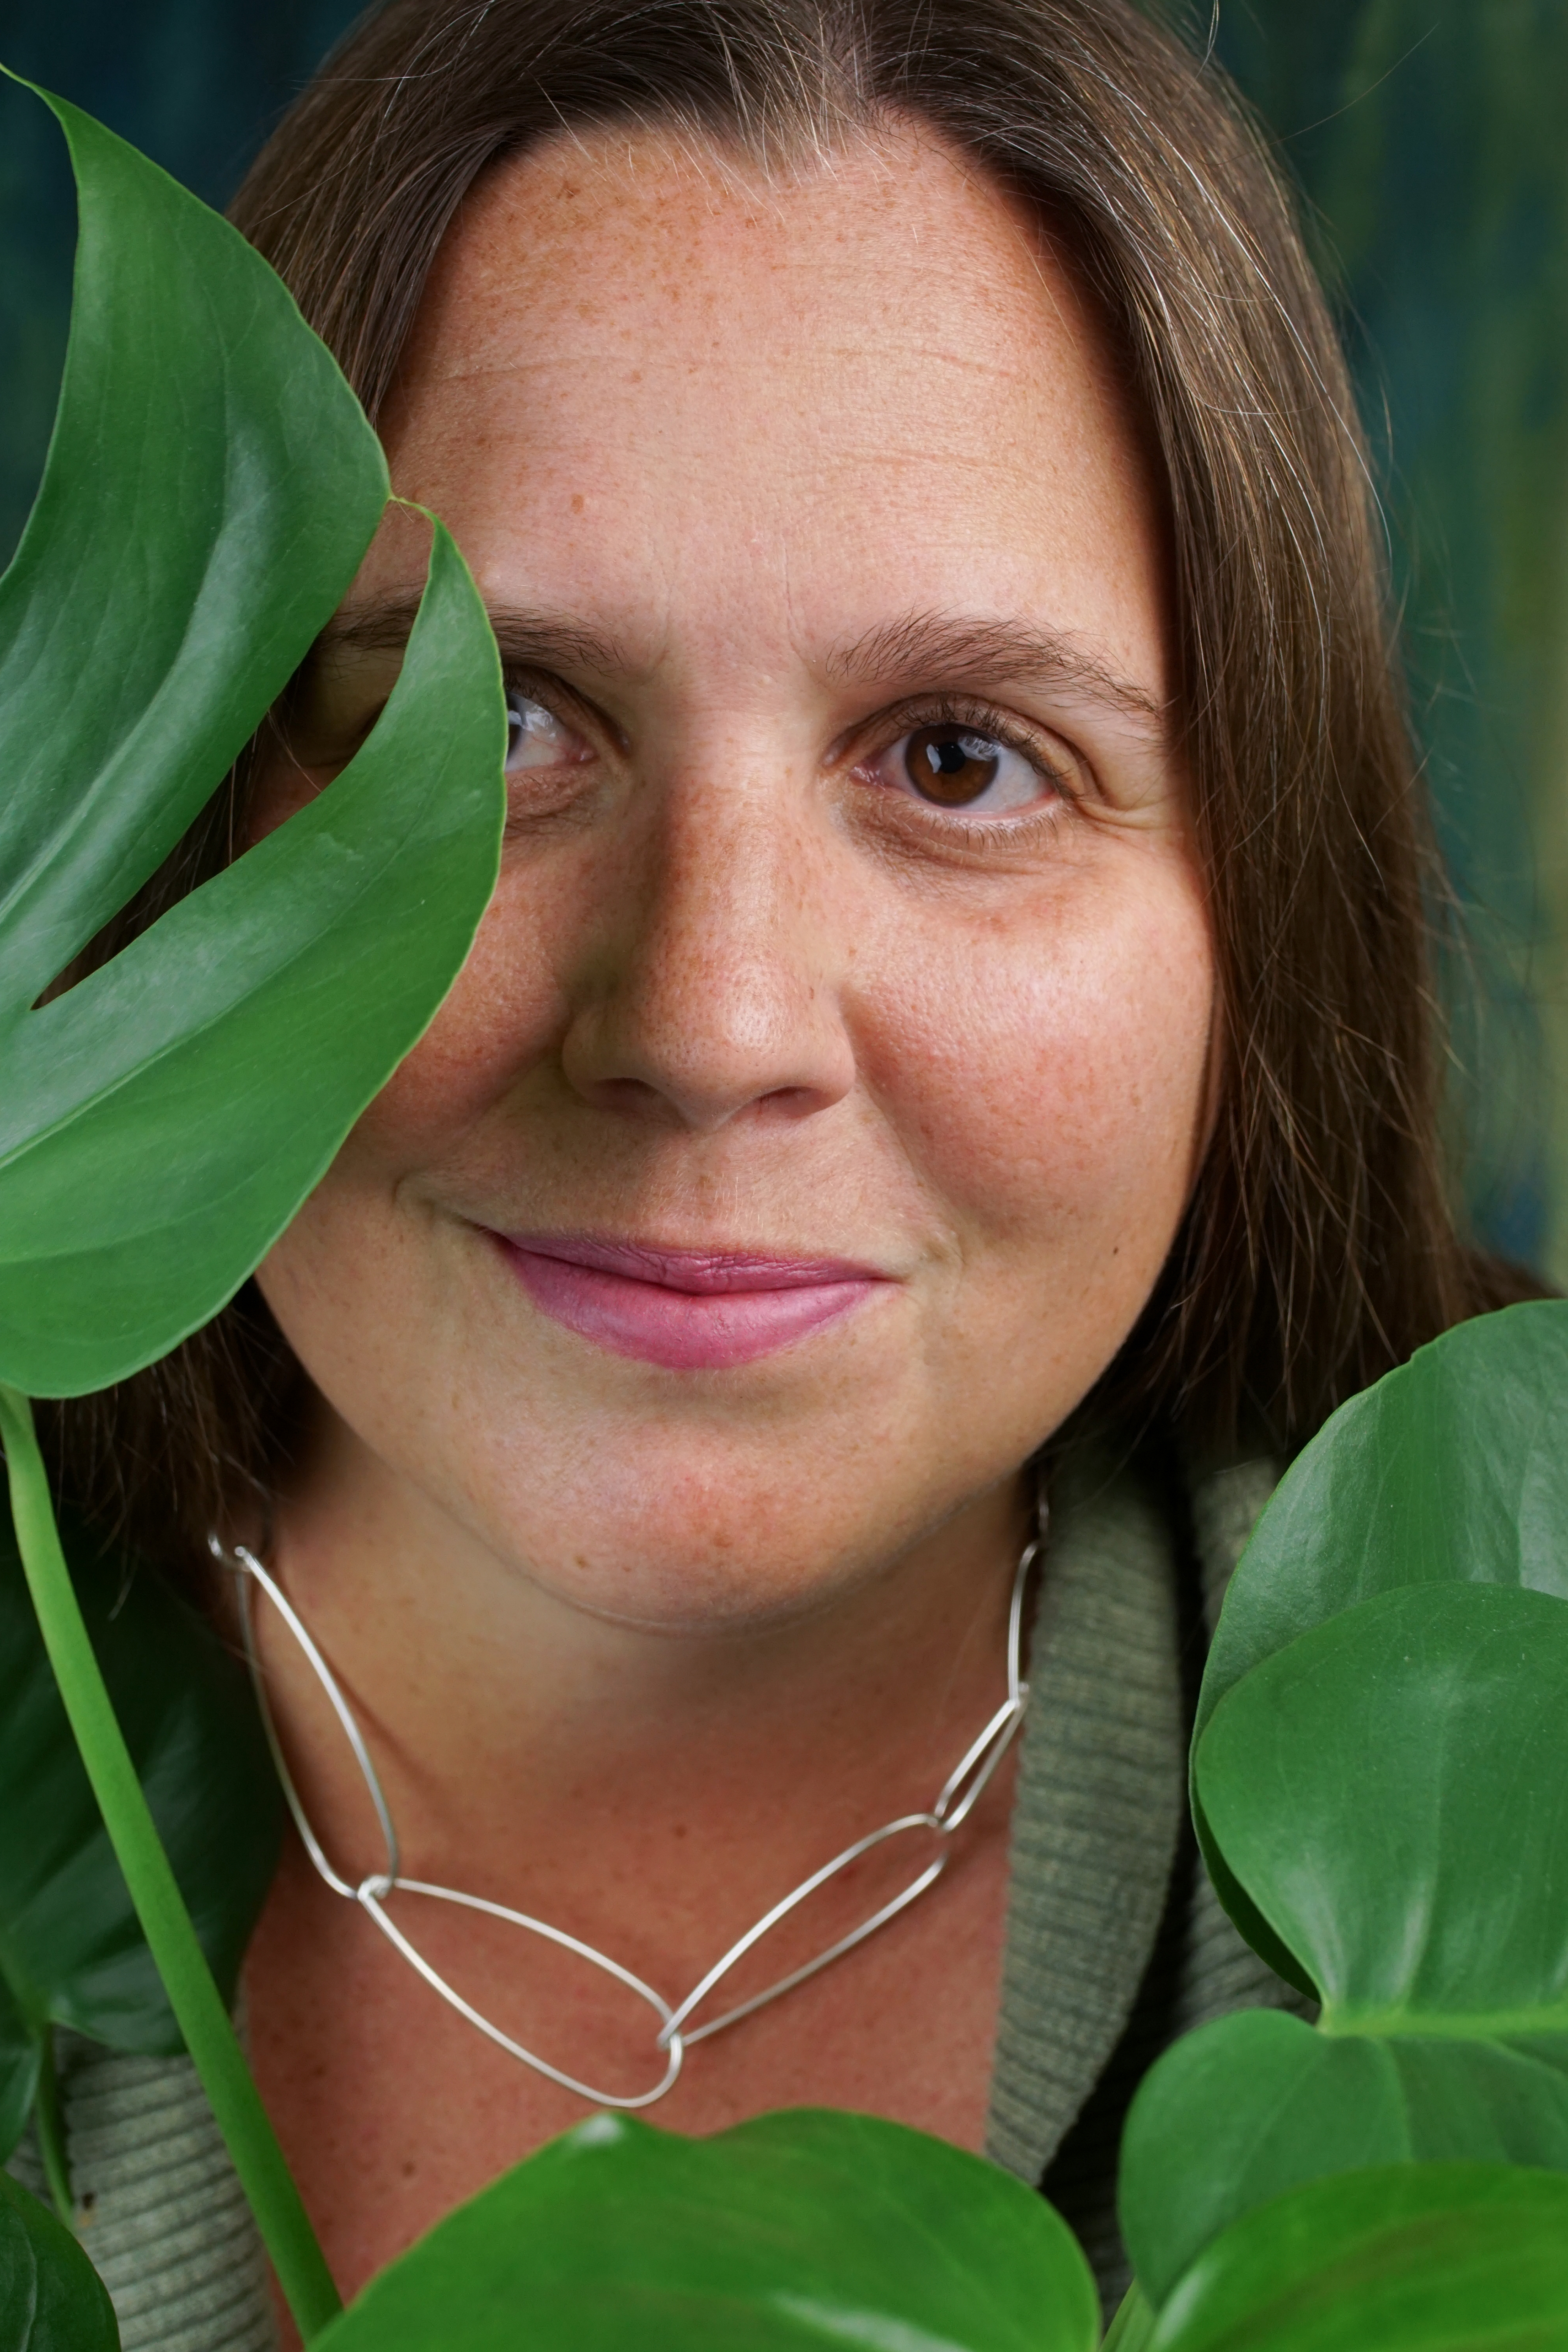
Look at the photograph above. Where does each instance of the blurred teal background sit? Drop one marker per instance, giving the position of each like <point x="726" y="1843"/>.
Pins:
<point x="1431" y="140"/>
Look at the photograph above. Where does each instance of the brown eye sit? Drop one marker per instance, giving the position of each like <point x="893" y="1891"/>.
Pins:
<point x="947" y="765"/>
<point x="950" y="765"/>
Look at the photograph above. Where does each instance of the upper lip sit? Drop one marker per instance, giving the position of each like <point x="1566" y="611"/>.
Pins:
<point x="696" y="1271"/>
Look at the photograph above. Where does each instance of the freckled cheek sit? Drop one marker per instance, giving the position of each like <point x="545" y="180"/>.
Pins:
<point x="502" y="1014"/>
<point x="1050" y="1085"/>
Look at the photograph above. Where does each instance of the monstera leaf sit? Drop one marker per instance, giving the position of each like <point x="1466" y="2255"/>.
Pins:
<point x="71" y="1950"/>
<point x="211" y="488"/>
<point x="803" y="2229"/>
<point x="1391" y="1789"/>
<point x="1453" y="1468"/>
<point x="1418" y="2258"/>
<point x="51" y="2298"/>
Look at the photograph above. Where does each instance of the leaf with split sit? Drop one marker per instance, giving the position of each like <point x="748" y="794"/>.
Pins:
<point x="801" y="2230"/>
<point x="1391" y="1792"/>
<point x="1452" y="1469"/>
<point x="1418" y="2258"/>
<point x="51" y="2298"/>
<point x="71" y="1950"/>
<point x="211" y="488"/>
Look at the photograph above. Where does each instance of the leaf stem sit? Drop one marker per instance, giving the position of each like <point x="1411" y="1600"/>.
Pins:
<point x="198" y="2006"/>
<point x="49" y="2124"/>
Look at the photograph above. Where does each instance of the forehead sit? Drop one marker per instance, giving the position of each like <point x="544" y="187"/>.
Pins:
<point x="676" y="221"/>
<point x="805" y="384"/>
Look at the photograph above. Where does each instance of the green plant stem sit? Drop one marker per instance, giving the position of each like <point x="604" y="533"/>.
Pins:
<point x="203" y="2020"/>
<point x="48" y="2123"/>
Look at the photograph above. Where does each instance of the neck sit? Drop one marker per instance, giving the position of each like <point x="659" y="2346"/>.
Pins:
<point x="703" y="1766"/>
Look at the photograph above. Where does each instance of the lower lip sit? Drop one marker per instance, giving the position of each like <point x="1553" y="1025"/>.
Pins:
<point x="682" y="1330"/>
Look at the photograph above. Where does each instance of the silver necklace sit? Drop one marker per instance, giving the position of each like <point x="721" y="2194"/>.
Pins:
<point x="955" y="1802"/>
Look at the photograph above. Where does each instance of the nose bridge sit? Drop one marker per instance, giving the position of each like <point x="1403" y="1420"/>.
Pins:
<point x="721" y="964"/>
<point x="719" y="990"/>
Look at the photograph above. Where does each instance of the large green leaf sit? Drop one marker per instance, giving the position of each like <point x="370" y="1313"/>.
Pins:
<point x="804" y="2229"/>
<point x="1392" y="1791"/>
<point x="1415" y="1747"/>
<point x="1419" y="2258"/>
<point x="51" y="2298"/>
<point x="1452" y="1469"/>
<point x="71" y="1951"/>
<point x="211" y="488"/>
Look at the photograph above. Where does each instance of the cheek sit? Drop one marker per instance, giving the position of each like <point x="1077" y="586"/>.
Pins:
<point x="354" y="1267"/>
<point x="505" y="1014"/>
<point x="1053" y="1074"/>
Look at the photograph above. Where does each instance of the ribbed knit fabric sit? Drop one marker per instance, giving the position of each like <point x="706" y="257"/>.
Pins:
<point x="1098" y="1809"/>
<point x="157" y="2205"/>
<point x="1114" y="1941"/>
<point x="1132" y="1997"/>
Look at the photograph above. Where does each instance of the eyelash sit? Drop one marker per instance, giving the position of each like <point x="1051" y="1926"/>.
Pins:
<point x="940" y="710"/>
<point x="998" y="726"/>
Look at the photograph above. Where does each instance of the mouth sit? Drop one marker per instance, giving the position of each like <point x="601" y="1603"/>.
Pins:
<point x="687" y="1311"/>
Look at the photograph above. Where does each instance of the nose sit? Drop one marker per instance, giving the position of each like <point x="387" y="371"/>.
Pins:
<point x="713" y="989"/>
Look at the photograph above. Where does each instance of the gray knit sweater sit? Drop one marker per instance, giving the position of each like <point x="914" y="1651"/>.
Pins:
<point x="1114" y="1944"/>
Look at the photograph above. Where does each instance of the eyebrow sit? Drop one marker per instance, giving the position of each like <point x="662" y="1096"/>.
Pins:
<point x="964" y="651"/>
<point x="527" y="640"/>
<point x="954" y="649"/>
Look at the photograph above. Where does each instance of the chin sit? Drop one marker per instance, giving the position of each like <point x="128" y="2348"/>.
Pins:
<point x="746" y="1598"/>
<point x="652" y="1533"/>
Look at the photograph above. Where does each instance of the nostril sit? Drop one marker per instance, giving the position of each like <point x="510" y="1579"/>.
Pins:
<point x="693" y="1107"/>
<point x="634" y="1097"/>
<point x="785" y="1103"/>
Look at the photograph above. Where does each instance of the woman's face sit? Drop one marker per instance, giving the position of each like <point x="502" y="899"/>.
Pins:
<point x="819" y="1100"/>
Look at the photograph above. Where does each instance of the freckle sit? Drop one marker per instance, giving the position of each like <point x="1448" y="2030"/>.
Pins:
<point x="408" y="2168"/>
<point x="635" y="376"/>
<point x="679" y="1831"/>
<point x="577" y="502"/>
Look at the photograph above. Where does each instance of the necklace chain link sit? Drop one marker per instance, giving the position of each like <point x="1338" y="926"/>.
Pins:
<point x="955" y="1802"/>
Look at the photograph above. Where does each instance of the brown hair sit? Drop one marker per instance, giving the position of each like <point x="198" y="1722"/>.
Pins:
<point x="1319" y="1246"/>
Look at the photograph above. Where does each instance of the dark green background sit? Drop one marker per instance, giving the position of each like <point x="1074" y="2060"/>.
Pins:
<point x="1431" y="139"/>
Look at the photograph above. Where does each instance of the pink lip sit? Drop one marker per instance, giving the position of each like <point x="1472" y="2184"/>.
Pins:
<point x="689" y="1310"/>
